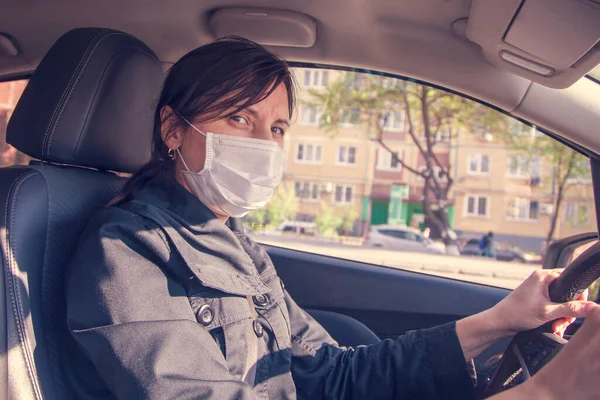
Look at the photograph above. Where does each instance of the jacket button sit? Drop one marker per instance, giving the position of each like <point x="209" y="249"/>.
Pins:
<point x="258" y="328"/>
<point x="205" y="315"/>
<point x="261" y="300"/>
<point x="282" y="285"/>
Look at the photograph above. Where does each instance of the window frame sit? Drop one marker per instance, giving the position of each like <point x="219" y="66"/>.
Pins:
<point x="302" y="112"/>
<point x="476" y="214"/>
<point x="311" y="186"/>
<point x="348" y="124"/>
<point x="344" y="190"/>
<point x="384" y="156"/>
<point x="520" y="174"/>
<point x="346" y="162"/>
<point x="479" y="171"/>
<point x="304" y="153"/>
<point x="574" y="222"/>
<point x="389" y="126"/>
<point x="317" y="73"/>
<point x="528" y="209"/>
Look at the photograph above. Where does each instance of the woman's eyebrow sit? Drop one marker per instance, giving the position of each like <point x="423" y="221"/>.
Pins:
<point x="255" y="115"/>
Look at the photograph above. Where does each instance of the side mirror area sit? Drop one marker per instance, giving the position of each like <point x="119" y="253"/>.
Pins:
<point x="562" y="252"/>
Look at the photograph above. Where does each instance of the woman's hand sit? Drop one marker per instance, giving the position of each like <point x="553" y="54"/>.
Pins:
<point x="529" y="306"/>
<point x="572" y="374"/>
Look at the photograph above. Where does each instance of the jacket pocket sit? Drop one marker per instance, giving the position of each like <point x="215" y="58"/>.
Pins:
<point x="227" y="325"/>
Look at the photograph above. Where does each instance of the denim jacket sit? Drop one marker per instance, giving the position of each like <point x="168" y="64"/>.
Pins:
<point x="164" y="301"/>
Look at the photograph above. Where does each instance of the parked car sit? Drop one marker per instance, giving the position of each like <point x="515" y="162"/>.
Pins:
<point x="504" y="252"/>
<point x="298" y="228"/>
<point x="402" y="239"/>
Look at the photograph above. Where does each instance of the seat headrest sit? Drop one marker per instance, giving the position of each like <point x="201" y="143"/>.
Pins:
<point x="90" y="102"/>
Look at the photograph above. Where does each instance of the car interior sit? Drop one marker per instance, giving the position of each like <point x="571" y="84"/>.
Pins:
<point x="95" y="71"/>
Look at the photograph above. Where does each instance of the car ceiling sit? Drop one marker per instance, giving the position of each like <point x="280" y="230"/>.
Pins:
<point x="411" y="38"/>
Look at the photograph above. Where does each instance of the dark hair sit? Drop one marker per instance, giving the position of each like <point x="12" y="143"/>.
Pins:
<point x="230" y="73"/>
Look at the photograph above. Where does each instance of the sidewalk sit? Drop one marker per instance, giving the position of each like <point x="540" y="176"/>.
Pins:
<point x="472" y="269"/>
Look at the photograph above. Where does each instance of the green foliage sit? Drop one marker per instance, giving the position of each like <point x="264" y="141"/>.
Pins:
<point x="328" y="221"/>
<point x="283" y="206"/>
<point x="347" y="221"/>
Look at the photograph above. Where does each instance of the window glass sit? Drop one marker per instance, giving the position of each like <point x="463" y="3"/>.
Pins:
<point x="10" y="92"/>
<point x="362" y="157"/>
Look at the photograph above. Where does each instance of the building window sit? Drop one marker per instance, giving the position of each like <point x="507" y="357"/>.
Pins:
<point x="436" y="171"/>
<point x="309" y="116"/>
<point x="577" y="214"/>
<point x="353" y="80"/>
<point x="438" y="135"/>
<point x="524" y="167"/>
<point x="343" y="194"/>
<point x="350" y="116"/>
<point x="479" y="164"/>
<point x="521" y="209"/>
<point x="477" y="206"/>
<point x="520" y="129"/>
<point x="315" y="78"/>
<point x="581" y="174"/>
<point x="394" y="121"/>
<point x="387" y="161"/>
<point x="308" y="191"/>
<point x="309" y="153"/>
<point x="346" y="155"/>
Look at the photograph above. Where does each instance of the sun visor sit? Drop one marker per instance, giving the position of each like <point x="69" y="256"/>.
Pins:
<point x="552" y="42"/>
<point x="265" y="26"/>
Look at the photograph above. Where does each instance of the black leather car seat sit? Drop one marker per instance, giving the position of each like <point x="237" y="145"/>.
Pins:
<point x="87" y="109"/>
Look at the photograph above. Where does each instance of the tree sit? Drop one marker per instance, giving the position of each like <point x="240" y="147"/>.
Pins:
<point x="569" y="167"/>
<point x="283" y="206"/>
<point x="328" y="221"/>
<point x="433" y="117"/>
<point x="347" y="222"/>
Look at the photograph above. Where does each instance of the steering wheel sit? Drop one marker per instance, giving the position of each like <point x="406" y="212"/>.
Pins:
<point x="530" y="350"/>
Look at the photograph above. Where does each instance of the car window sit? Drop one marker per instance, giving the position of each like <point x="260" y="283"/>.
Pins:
<point x="370" y="150"/>
<point x="10" y="92"/>
<point x="394" y="233"/>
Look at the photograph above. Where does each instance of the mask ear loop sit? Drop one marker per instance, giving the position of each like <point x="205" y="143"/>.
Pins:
<point x="182" y="160"/>
<point x="190" y="124"/>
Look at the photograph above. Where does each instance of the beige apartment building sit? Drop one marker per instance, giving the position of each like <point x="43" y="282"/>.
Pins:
<point x="330" y="167"/>
<point x="513" y="194"/>
<point x="495" y="188"/>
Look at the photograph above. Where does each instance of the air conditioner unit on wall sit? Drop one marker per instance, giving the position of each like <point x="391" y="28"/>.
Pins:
<point x="547" y="208"/>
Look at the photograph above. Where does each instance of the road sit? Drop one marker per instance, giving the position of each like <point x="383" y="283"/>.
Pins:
<point x="472" y="269"/>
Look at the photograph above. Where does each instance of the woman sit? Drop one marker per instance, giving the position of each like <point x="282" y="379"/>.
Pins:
<point x="166" y="302"/>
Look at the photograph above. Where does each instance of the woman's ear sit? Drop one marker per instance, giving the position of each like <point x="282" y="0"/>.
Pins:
<point x="172" y="136"/>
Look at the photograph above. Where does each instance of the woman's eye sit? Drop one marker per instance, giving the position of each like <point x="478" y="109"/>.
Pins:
<point x="277" y="130"/>
<point x="239" y="119"/>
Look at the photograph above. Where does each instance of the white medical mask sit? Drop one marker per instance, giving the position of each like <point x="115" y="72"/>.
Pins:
<point x="240" y="174"/>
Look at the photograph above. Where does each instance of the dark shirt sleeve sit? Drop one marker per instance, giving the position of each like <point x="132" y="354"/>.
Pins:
<point x="426" y="364"/>
<point x="134" y="322"/>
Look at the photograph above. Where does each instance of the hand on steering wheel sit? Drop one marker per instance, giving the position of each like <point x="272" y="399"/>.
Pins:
<point x="533" y="348"/>
<point x="529" y="306"/>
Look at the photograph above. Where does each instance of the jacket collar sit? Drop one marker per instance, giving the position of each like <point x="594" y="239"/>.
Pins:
<point x="208" y="247"/>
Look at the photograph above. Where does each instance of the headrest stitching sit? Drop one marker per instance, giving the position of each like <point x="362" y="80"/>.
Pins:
<point x="137" y="49"/>
<point x="60" y="102"/>
<point x="75" y="85"/>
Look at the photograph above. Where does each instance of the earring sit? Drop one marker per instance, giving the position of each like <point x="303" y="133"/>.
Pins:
<point x="171" y="154"/>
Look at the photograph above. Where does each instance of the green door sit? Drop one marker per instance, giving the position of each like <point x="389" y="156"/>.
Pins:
<point x="379" y="213"/>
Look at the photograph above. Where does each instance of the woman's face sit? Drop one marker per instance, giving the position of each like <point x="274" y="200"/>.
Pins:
<point x="267" y="120"/>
